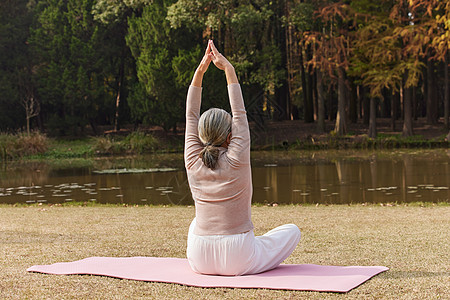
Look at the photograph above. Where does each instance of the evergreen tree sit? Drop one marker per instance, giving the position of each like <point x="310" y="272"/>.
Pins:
<point x="165" y="61"/>
<point x="66" y="40"/>
<point x="15" y="63"/>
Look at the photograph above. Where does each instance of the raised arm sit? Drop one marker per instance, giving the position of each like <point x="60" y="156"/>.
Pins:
<point x="192" y="145"/>
<point x="239" y="147"/>
<point x="202" y="67"/>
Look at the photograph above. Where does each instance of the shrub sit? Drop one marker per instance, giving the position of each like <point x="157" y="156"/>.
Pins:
<point x="21" y="144"/>
<point x="35" y="143"/>
<point x="104" y="145"/>
<point x="136" y="142"/>
<point x="140" y="142"/>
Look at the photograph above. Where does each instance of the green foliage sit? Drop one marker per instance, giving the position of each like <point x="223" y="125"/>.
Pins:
<point x="301" y="16"/>
<point x="66" y="40"/>
<point x="78" y="58"/>
<point x="250" y="29"/>
<point x="140" y="142"/>
<point x="15" y="62"/>
<point x="165" y="58"/>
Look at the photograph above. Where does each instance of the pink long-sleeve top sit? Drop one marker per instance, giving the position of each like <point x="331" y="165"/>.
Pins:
<point x="222" y="196"/>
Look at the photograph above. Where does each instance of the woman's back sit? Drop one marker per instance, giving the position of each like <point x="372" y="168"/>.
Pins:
<point x="221" y="239"/>
<point x="222" y="195"/>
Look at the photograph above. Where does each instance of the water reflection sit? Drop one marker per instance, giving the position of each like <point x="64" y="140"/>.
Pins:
<point x="278" y="177"/>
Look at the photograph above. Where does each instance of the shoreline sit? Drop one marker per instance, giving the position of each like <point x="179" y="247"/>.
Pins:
<point x="283" y="135"/>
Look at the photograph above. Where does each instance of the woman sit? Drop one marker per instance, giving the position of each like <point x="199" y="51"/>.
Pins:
<point x="217" y="160"/>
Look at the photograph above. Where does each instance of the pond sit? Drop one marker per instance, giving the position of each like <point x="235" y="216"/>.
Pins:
<point x="279" y="177"/>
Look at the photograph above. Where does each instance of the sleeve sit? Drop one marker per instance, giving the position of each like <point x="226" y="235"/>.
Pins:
<point x="192" y="143"/>
<point x="239" y="149"/>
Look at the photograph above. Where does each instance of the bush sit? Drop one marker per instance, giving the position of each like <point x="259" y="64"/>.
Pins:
<point x="21" y="144"/>
<point x="35" y="143"/>
<point x="140" y="142"/>
<point x="107" y="145"/>
<point x="137" y="142"/>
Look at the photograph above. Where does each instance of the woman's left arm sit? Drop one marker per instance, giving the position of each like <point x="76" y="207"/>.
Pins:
<point x="202" y="67"/>
<point x="192" y="144"/>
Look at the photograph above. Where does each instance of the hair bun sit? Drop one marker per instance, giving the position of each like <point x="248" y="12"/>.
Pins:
<point x="210" y="156"/>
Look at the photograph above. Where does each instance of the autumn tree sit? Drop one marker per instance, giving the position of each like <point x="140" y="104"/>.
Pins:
<point x="332" y="51"/>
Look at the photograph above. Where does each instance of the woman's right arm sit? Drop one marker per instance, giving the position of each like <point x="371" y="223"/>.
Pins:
<point x="239" y="149"/>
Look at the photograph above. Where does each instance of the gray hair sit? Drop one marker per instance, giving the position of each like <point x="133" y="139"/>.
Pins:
<point x="213" y="128"/>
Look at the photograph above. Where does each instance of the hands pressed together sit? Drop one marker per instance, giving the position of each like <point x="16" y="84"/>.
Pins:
<point x="212" y="54"/>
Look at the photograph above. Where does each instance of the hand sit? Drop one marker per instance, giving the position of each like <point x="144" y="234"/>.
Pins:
<point x="206" y="60"/>
<point x="218" y="59"/>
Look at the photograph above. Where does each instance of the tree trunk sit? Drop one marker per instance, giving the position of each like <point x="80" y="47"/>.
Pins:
<point x="281" y="95"/>
<point x="307" y="102"/>
<point x="394" y="102"/>
<point x="116" y="116"/>
<point x="432" y="115"/>
<point x="415" y="110"/>
<point x="446" y="93"/>
<point x="408" y="116"/>
<point x="282" y="92"/>
<point x="28" y="126"/>
<point x="119" y="89"/>
<point x="365" y="106"/>
<point x="320" y="103"/>
<point x="353" y="107"/>
<point x="330" y="102"/>
<point x="341" y="126"/>
<point x="314" y="95"/>
<point x="373" y="118"/>
<point x="290" y="50"/>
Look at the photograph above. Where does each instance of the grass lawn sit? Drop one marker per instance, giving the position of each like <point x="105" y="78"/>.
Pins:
<point x="412" y="241"/>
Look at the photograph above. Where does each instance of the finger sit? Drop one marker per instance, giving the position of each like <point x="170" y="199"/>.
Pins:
<point x="214" y="49"/>
<point x="208" y="49"/>
<point x="207" y="58"/>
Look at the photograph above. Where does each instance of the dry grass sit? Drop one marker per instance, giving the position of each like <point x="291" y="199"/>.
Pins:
<point x="412" y="241"/>
<point x="21" y="144"/>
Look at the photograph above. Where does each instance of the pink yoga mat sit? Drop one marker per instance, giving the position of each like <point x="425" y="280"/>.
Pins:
<point x="177" y="270"/>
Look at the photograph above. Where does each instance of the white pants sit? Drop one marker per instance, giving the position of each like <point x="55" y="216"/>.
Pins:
<point x="240" y="254"/>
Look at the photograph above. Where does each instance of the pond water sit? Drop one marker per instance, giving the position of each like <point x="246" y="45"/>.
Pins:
<point x="324" y="177"/>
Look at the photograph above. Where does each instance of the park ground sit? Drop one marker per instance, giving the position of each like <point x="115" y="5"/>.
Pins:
<point x="412" y="240"/>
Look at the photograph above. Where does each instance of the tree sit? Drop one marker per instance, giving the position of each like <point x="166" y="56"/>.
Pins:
<point x="332" y="50"/>
<point x="250" y="36"/>
<point x="440" y="44"/>
<point x="70" y="67"/>
<point x="165" y="61"/>
<point x="28" y="99"/>
<point x="15" y="62"/>
<point x="120" y="69"/>
<point x="320" y="103"/>
<point x="421" y="27"/>
<point x="298" y="19"/>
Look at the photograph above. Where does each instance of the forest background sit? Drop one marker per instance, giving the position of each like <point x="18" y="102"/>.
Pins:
<point x="69" y="66"/>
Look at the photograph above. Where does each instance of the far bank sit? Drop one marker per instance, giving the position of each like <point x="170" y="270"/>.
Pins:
<point x="282" y="135"/>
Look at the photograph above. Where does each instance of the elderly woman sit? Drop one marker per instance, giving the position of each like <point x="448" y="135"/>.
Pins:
<point x="217" y="159"/>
